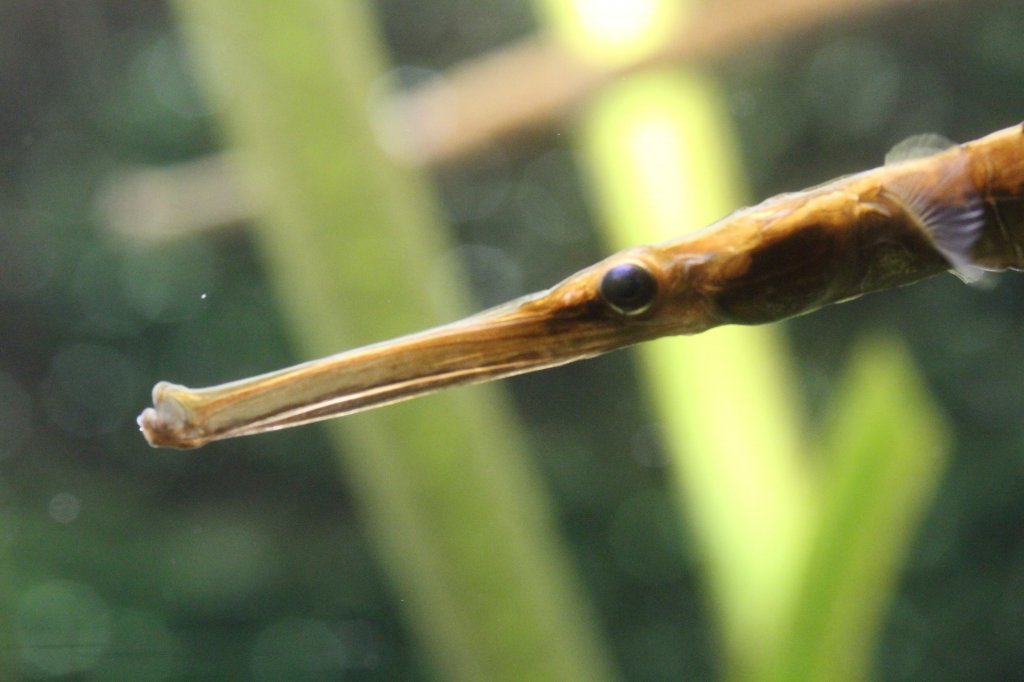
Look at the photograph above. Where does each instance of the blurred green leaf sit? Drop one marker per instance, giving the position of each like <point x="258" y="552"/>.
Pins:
<point x="660" y="158"/>
<point x="658" y="152"/>
<point x="884" y="457"/>
<point x="352" y="243"/>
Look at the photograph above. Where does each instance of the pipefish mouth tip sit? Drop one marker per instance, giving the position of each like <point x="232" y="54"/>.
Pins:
<point x="166" y="423"/>
<point x="151" y="426"/>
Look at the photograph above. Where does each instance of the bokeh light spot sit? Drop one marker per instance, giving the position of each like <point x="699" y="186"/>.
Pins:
<point x="64" y="507"/>
<point x="62" y="628"/>
<point x="90" y="390"/>
<point x="298" y="649"/>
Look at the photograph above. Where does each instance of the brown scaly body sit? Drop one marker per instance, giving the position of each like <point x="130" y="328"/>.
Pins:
<point x="997" y="170"/>
<point x="961" y="208"/>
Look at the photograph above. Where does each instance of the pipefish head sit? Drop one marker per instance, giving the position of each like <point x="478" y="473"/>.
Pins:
<point x="630" y="297"/>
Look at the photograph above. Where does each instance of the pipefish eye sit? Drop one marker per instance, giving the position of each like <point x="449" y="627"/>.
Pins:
<point x="629" y="288"/>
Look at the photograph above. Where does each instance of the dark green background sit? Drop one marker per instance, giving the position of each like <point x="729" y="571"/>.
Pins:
<point x="209" y="563"/>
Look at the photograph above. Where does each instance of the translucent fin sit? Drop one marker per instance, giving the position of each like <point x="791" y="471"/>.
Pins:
<point x="945" y="203"/>
<point x="918" y="147"/>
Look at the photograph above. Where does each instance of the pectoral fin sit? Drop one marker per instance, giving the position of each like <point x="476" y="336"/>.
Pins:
<point x="943" y="200"/>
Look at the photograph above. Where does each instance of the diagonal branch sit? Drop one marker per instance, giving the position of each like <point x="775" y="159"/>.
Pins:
<point x="524" y="86"/>
<point x="535" y="82"/>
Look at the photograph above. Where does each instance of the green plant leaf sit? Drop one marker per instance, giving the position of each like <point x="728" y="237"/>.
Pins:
<point x="885" y="455"/>
<point x="351" y="241"/>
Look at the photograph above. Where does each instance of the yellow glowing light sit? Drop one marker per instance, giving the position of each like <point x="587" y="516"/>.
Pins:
<point x="614" y="30"/>
<point x="653" y="143"/>
<point x="616" y="22"/>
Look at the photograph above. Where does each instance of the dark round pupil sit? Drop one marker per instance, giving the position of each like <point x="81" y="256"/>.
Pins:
<point x="629" y="288"/>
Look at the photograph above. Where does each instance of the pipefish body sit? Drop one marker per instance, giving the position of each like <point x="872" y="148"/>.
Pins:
<point x="933" y="207"/>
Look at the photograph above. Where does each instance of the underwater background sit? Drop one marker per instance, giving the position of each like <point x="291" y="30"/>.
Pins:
<point x="263" y="557"/>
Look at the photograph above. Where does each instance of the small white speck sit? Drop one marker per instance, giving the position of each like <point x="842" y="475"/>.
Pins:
<point x="202" y="296"/>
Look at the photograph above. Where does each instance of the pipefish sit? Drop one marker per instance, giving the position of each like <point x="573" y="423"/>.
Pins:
<point x="934" y="206"/>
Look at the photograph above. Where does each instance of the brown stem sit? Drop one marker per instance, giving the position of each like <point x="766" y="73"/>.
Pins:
<point x="534" y="82"/>
<point x="523" y="86"/>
